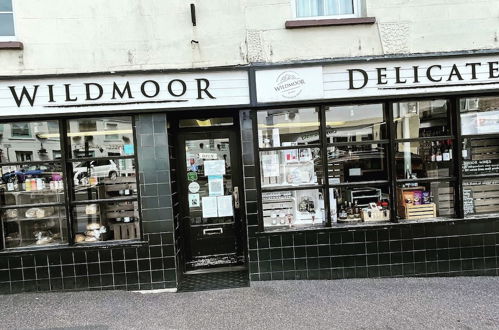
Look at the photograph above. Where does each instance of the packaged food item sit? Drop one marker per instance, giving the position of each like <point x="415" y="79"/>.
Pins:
<point x="91" y="209"/>
<point x="31" y="213"/>
<point x="44" y="212"/>
<point x="418" y="197"/>
<point x="93" y="226"/>
<point x="79" y="238"/>
<point x="11" y="213"/>
<point x="408" y="197"/>
<point x="426" y="197"/>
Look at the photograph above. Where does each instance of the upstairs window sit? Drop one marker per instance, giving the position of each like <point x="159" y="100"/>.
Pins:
<point x="327" y="8"/>
<point x="6" y="20"/>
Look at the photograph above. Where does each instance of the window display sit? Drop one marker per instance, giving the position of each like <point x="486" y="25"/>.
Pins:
<point x="104" y="184"/>
<point x="292" y="209"/>
<point x="287" y="127"/>
<point x="290" y="167"/>
<point x="425" y="200"/>
<point x="356" y="204"/>
<point x="31" y="186"/>
<point x="424" y="159"/>
<point x="356" y="163"/>
<point x="101" y="175"/>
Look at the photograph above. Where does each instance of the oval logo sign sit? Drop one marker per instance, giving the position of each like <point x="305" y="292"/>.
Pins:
<point x="289" y="84"/>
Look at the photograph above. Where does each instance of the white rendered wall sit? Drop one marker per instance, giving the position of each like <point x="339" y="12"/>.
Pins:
<point x="61" y="36"/>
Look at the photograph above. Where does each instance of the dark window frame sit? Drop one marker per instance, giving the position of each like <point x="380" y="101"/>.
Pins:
<point x="455" y="180"/>
<point x="65" y="161"/>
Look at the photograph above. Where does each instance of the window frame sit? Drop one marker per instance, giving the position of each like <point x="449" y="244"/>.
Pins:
<point x="14" y="36"/>
<point x="357" y="12"/>
<point x="455" y="178"/>
<point x="65" y="161"/>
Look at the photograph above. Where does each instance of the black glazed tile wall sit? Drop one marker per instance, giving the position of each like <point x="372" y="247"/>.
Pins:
<point x="455" y="248"/>
<point x="149" y="264"/>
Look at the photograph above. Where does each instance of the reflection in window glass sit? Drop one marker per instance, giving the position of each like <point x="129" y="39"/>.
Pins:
<point x="421" y="119"/>
<point x="368" y="204"/>
<point x="101" y="137"/>
<point x="206" y="122"/>
<point x="290" y="167"/>
<point x="288" y="127"/>
<point x="106" y="188"/>
<point x="425" y="200"/>
<point x="293" y="209"/>
<point x="479" y="115"/>
<point x="20" y="130"/>
<point x="480" y="196"/>
<point x="104" y="178"/>
<point x="424" y="159"/>
<point x="355" y="123"/>
<point x="29" y="141"/>
<point x="356" y="163"/>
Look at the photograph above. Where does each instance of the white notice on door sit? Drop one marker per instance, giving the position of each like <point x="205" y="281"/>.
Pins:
<point x="225" y="206"/>
<point x="214" y="167"/>
<point x="210" y="206"/>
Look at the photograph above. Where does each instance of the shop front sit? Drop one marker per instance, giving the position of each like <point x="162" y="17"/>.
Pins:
<point x="374" y="168"/>
<point x="120" y="181"/>
<point x="359" y="168"/>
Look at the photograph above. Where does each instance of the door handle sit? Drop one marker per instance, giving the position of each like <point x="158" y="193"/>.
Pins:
<point x="235" y="194"/>
<point x="213" y="231"/>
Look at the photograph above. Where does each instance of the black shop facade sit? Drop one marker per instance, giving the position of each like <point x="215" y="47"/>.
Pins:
<point x="355" y="168"/>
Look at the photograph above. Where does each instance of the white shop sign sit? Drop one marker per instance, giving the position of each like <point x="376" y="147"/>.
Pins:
<point x="389" y="78"/>
<point x="123" y="92"/>
<point x="290" y="84"/>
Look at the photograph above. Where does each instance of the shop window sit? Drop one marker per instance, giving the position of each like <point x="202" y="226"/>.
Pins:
<point x="292" y="176"/>
<point x="355" y="123"/>
<point x="327" y="8"/>
<point x="6" y="20"/>
<point x="357" y="163"/>
<point x="104" y="194"/>
<point x="31" y="188"/>
<point x="421" y="119"/>
<point x="480" y="153"/>
<point x="424" y="159"/>
<point x="288" y="127"/>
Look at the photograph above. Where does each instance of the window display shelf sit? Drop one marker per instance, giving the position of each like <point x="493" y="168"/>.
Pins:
<point x="275" y="187"/>
<point x="55" y="217"/>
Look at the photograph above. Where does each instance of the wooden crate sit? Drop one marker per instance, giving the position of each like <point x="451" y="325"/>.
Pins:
<point x="126" y="230"/>
<point x="412" y="212"/>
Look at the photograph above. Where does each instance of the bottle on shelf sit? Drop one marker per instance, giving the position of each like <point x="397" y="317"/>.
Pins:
<point x="446" y="152"/>
<point x="433" y="152"/>
<point x="356" y="210"/>
<point x="438" y="154"/>
<point x="343" y="213"/>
